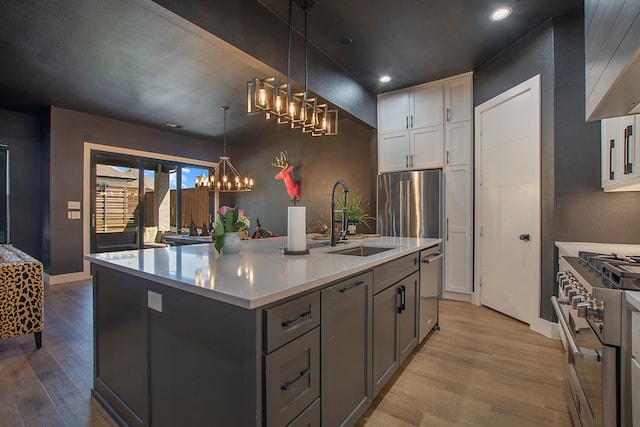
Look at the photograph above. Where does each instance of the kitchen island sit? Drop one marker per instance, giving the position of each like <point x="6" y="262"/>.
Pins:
<point x="184" y="336"/>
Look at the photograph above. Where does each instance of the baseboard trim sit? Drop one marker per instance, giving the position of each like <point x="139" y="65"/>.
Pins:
<point x="456" y="296"/>
<point x="546" y="328"/>
<point x="65" y="278"/>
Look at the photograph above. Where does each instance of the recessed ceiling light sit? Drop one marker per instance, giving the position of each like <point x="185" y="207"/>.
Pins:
<point x="385" y="79"/>
<point x="500" y="14"/>
<point x="172" y="125"/>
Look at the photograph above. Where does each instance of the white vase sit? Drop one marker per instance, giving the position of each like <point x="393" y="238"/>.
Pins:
<point x="232" y="243"/>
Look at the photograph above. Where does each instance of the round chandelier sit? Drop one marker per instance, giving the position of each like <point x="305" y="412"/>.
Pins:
<point x="224" y="177"/>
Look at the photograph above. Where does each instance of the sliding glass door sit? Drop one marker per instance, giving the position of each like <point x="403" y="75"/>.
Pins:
<point x="115" y="216"/>
<point x="137" y="200"/>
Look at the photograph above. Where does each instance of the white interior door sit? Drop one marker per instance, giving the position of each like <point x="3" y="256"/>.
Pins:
<point x="508" y="201"/>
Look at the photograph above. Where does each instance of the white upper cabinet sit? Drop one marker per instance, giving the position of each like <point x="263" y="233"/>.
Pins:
<point x="394" y="149"/>
<point x="410" y="128"/>
<point x="426" y="126"/>
<point x="620" y="154"/>
<point x="393" y="112"/>
<point x="426" y="106"/>
<point x="426" y="148"/>
<point x="457" y="99"/>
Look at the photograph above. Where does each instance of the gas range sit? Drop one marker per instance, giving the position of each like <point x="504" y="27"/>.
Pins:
<point x="619" y="271"/>
<point x="591" y="295"/>
<point x="590" y="307"/>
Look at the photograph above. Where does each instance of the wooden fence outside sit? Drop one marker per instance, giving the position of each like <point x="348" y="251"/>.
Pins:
<point x="117" y="207"/>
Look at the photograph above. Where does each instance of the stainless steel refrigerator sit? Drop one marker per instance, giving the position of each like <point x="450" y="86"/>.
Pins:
<point x="410" y="205"/>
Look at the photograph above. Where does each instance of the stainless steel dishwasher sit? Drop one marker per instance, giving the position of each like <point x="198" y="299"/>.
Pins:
<point x="430" y="285"/>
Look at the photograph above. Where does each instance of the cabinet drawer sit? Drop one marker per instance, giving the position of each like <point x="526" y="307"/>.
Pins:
<point x="290" y="320"/>
<point x="392" y="272"/>
<point x="292" y="378"/>
<point x="309" y="418"/>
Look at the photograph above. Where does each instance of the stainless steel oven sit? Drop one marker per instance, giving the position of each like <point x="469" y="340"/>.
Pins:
<point x="591" y="291"/>
<point x="591" y="370"/>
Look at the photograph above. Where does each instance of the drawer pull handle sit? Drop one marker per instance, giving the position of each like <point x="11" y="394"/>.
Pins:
<point x="431" y="259"/>
<point x="297" y="319"/>
<point x="289" y="384"/>
<point x="348" y="288"/>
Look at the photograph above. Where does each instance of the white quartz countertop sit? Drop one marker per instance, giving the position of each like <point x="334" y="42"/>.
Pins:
<point x="572" y="248"/>
<point x="260" y="274"/>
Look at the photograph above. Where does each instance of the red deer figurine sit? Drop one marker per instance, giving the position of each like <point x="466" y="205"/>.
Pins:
<point x="293" y="187"/>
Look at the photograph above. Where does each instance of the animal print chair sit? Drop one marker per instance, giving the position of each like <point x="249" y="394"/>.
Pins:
<point x="21" y="292"/>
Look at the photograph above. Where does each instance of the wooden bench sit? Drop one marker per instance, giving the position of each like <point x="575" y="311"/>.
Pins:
<point x="21" y="293"/>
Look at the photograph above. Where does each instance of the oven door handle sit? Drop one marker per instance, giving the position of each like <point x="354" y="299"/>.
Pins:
<point x="575" y="351"/>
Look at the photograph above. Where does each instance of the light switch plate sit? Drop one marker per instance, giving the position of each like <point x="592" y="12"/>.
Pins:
<point x="73" y="205"/>
<point x="154" y="301"/>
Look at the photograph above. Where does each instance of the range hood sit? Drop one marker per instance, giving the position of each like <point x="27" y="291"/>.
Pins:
<point x="623" y="97"/>
<point x="612" y="59"/>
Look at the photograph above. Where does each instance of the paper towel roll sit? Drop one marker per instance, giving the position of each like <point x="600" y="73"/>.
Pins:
<point x="297" y="229"/>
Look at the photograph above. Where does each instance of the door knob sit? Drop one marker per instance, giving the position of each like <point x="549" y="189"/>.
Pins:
<point x="525" y="237"/>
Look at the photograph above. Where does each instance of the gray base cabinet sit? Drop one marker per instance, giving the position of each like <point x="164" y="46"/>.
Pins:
<point x="120" y="346"/>
<point x="292" y="361"/>
<point x="395" y="318"/>
<point x="346" y="350"/>
<point x="408" y="315"/>
<point x="385" y="327"/>
<point x="166" y="357"/>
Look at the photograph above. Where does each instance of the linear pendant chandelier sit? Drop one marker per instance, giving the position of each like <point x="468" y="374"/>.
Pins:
<point x="298" y="110"/>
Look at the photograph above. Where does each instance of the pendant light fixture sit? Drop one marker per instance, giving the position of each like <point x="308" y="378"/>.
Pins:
<point x="299" y="110"/>
<point x="225" y="178"/>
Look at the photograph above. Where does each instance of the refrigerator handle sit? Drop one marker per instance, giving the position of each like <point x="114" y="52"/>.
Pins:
<point x="407" y="199"/>
<point x="402" y="214"/>
<point x="447" y="237"/>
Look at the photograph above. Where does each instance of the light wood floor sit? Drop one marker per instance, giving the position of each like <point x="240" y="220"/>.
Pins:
<point x="480" y="369"/>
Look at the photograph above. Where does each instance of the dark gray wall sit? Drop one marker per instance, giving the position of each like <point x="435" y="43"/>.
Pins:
<point x="319" y="162"/>
<point x="21" y="133"/>
<point x="583" y="212"/>
<point x="69" y="131"/>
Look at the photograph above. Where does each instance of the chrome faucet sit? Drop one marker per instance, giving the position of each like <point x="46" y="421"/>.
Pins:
<point x="341" y="233"/>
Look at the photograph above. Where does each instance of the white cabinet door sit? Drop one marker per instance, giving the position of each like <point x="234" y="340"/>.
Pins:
<point x="457" y="233"/>
<point x="393" y="152"/>
<point x="457" y="99"/>
<point x="610" y="145"/>
<point x="393" y="112"/>
<point x="426" y="148"/>
<point x="635" y="144"/>
<point x="627" y="137"/>
<point x="620" y="154"/>
<point x="458" y="137"/>
<point x="426" y="106"/>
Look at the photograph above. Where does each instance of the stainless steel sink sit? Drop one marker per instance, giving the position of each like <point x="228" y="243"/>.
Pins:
<point x="361" y="250"/>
